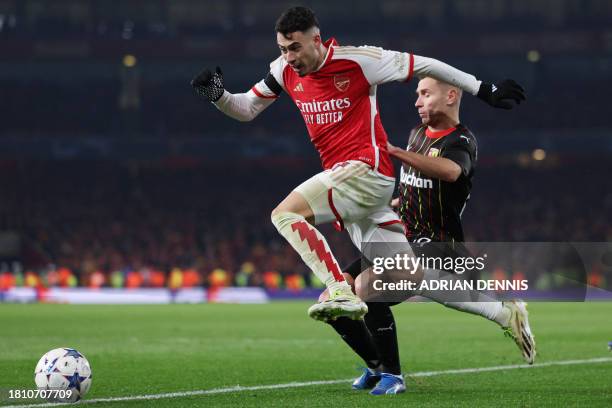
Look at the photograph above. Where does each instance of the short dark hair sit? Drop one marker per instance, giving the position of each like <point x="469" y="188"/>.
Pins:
<point x="296" y="19"/>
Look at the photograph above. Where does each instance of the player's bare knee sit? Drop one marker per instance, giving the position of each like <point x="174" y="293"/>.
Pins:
<point x="287" y="206"/>
<point x="295" y="203"/>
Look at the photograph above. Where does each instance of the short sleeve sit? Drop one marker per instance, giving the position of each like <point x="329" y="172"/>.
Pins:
<point x="463" y="152"/>
<point x="379" y="65"/>
<point x="393" y="66"/>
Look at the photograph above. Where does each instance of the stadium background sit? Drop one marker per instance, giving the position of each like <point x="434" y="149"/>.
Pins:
<point x="114" y="173"/>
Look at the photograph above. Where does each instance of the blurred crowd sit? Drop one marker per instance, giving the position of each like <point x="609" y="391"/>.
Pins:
<point x="171" y="109"/>
<point x="181" y="225"/>
<point x="162" y="19"/>
<point x="103" y="225"/>
<point x="96" y="72"/>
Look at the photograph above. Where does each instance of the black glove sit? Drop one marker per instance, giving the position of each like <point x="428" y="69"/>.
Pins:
<point x="209" y="85"/>
<point x="498" y="95"/>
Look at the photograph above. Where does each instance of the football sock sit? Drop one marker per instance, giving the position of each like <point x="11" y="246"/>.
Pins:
<point x="312" y="247"/>
<point x="381" y="324"/>
<point x="493" y="311"/>
<point x="356" y="334"/>
<point x="471" y="301"/>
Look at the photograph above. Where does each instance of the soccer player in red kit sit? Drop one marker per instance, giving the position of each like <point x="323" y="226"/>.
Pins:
<point x="334" y="87"/>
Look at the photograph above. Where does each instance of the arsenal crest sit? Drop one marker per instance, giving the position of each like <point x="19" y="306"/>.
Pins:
<point x="341" y="82"/>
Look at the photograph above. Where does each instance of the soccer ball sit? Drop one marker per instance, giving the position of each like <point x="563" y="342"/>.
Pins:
<point x="64" y="371"/>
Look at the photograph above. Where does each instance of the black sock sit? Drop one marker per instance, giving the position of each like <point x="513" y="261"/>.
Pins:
<point x="381" y="325"/>
<point x="356" y="335"/>
<point x="356" y="267"/>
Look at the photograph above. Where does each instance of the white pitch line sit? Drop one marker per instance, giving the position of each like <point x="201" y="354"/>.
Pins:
<point x="239" y="388"/>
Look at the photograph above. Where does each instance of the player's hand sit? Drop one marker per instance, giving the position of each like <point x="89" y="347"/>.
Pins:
<point x="395" y="203"/>
<point x="209" y="85"/>
<point x="500" y="94"/>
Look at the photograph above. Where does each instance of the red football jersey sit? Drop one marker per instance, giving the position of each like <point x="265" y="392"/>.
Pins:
<point x="338" y="101"/>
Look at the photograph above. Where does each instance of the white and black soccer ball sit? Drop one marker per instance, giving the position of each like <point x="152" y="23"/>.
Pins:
<point x="66" y="371"/>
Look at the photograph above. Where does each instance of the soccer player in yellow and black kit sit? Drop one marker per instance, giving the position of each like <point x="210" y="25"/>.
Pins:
<point x="430" y="206"/>
<point x="435" y="184"/>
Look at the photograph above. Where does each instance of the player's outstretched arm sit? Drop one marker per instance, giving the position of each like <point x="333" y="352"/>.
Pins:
<point x="498" y="95"/>
<point x="243" y="106"/>
<point x="436" y="167"/>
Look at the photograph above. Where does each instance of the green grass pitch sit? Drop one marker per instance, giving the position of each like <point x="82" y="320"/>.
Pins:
<point x="142" y="350"/>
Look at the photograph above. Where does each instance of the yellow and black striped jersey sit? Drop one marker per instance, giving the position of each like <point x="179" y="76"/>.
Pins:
<point x="429" y="207"/>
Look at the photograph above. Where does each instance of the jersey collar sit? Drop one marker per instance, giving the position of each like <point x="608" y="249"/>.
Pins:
<point x="439" y="133"/>
<point x="329" y="44"/>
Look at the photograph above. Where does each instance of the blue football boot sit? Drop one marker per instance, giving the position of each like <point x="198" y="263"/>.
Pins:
<point x="367" y="380"/>
<point x="389" y="384"/>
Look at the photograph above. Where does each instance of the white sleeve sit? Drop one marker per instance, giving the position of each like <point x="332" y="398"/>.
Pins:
<point x="392" y="66"/>
<point x="381" y="66"/>
<point x="424" y="66"/>
<point x="246" y="106"/>
<point x="243" y="106"/>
